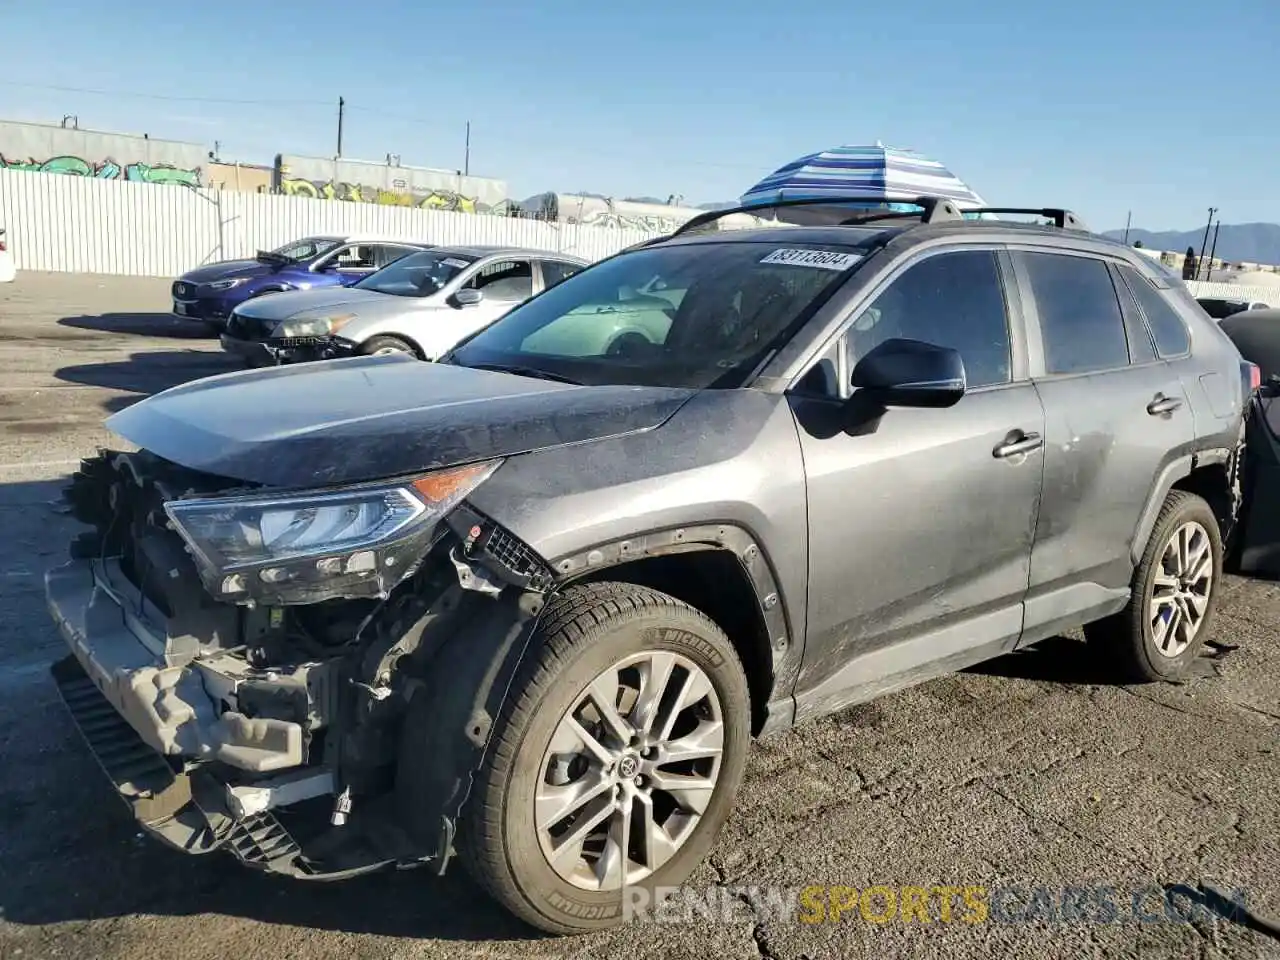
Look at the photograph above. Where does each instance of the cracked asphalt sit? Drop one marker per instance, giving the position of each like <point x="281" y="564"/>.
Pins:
<point x="1030" y="776"/>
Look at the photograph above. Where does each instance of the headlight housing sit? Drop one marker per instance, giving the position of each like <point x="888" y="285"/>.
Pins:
<point x="298" y="548"/>
<point x="227" y="284"/>
<point x="312" y="326"/>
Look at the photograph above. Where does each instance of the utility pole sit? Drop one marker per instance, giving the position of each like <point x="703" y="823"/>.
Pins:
<point x="1204" y="244"/>
<point x="1128" y="220"/>
<point x="1213" y="249"/>
<point x="342" y="104"/>
<point x="466" y="163"/>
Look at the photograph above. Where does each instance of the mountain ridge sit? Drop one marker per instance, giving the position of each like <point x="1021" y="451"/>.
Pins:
<point x="1237" y="242"/>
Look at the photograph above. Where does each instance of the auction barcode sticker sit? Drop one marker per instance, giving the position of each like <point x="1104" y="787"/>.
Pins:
<point x="823" y="259"/>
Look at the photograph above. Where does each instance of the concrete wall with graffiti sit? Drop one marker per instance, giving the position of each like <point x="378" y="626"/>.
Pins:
<point x="605" y="212"/>
<point x="360" y="181"/>
<point x="102" y="156"/>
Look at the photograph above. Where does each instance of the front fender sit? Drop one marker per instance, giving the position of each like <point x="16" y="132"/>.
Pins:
<point x="462" y="686"/>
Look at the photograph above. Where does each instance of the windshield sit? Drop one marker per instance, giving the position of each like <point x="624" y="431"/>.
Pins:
<point x="417" y="275"/>
<point x="696" y="315"/>
<point x="306" y="249"/>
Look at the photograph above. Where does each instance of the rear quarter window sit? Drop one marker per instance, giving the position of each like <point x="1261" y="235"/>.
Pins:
<point x="1167" y="328"/>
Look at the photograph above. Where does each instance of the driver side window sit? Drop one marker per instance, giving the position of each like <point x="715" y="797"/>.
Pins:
<point x="951" y="300"/>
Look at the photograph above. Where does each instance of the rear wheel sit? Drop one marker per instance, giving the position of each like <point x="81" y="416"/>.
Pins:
<point x="1174" y="595"/>
<point x="615" y="762"/>
<point x="381" y="346"/>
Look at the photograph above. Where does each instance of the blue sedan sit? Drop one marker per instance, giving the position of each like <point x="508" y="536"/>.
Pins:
<point x="208" y="294"/>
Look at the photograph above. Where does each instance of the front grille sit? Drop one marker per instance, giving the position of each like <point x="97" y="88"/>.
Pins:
<point x="134" y="768"/>
<point x="181" y="289"/>
<point x="513" y="554"/>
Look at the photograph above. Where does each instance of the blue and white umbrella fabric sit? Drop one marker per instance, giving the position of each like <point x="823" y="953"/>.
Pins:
<point x="872" y="172"/>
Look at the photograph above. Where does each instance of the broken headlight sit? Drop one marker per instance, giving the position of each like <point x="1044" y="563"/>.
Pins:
<point x="293" y="547"/>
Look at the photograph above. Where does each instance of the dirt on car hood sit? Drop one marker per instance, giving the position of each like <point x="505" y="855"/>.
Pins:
<point x="369" y="418"/>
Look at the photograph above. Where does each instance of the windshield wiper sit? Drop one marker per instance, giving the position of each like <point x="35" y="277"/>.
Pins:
<point x="522" y="372"/>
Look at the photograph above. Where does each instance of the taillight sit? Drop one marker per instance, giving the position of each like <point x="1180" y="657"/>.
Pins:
<point x="1254" y="373"/>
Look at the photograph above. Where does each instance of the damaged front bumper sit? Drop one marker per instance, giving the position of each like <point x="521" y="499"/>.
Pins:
<point x="276" y="727"/>
<point x="270" y="353"/>
<point x="196" y="774"/>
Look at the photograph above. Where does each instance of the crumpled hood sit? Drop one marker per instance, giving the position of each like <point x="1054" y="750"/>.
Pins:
<point x="291" y="303"/>
<point x="228" y="269"/>
<point x="369" y="418"/>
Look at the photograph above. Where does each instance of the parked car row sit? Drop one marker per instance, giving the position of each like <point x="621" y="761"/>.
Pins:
<point x="341" y="296"/>
<point x="529" y="604"/>
<point x="420" y="305"/>
<point x="210" y="294"/>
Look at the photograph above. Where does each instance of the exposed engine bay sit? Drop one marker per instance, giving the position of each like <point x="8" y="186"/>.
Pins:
<point x="260" y="672"/>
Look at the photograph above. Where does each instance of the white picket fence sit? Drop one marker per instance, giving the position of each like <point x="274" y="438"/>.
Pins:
<point x="75" y="224"/>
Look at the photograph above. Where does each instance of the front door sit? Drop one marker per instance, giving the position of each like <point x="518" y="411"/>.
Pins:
<point x="920" y="523"/>
<point x="1116" y="415"/>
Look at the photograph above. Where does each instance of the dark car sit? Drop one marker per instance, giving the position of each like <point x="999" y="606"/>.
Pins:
<point x="210" y="293"/>
<point x="1220" y="308"/>
<point x="1256" y="333"/>
<point x="530" y="604"/>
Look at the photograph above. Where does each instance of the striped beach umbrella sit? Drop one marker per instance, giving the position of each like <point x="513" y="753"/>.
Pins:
<point x="877" y="171"/>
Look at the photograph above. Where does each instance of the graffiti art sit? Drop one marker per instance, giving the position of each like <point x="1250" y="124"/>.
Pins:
<point x="107" y="170"/>
<point x="359" y="193"/>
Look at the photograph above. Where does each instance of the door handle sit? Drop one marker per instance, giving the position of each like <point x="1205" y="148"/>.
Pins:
<point x="1162" y="405"/>
<point x="1018" y="442"/>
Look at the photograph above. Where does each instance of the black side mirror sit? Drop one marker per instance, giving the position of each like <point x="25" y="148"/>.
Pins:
<point x="910" y="373"/>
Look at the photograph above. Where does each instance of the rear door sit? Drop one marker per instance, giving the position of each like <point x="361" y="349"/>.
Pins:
<point x="1116" y="415"/>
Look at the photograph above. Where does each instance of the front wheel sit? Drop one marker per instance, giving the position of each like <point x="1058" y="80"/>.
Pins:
<point x="381" y="346"/>
<point x="1173" y="595"/>
<point x="615" y="761"/>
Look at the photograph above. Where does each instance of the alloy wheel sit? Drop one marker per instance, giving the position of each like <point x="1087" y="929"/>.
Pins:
<point x="1183" y="584"/>
<point x="630" y="770"/>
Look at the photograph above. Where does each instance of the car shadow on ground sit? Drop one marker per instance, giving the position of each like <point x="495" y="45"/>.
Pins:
<point x="1061" y="660"/>
<point x="147" y="373"/>
<point x="140" y="324"/>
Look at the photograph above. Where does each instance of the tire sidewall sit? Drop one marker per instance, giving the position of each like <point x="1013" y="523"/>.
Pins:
<point x="380" y="341"/>
<point x="688" y="635"/>
<point x="1160" y="665"/>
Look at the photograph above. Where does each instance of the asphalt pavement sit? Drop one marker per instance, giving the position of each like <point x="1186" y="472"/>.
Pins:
<point x="1034" y="786"/>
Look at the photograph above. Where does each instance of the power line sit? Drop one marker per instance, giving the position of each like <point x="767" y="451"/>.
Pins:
<point x="372" y="111"/>
<point x="162" y="96"/>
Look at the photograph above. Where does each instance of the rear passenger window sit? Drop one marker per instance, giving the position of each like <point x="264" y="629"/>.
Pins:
<point x="1172" y="339"/>
<point x="1080" y="320"/>
<point x="950" y="300"/>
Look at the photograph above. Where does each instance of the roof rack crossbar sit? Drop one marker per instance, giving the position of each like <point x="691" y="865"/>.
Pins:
<point x="932" y="209"/>
<point x="1063" y="219"/>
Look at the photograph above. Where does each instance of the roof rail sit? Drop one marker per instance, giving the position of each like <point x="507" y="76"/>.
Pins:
<point x="932" y="209"/>
<point x="1063" y="219"/>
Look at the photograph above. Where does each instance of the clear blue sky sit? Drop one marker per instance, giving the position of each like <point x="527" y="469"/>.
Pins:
<point x="1165" y="108"/>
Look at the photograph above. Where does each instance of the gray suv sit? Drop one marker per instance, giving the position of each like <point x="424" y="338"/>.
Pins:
<point x="530" y="604"/>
